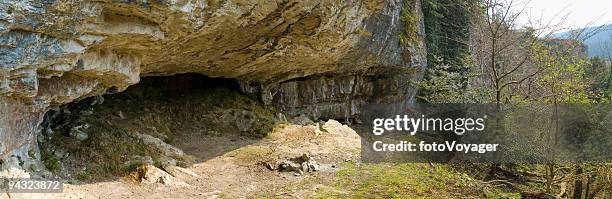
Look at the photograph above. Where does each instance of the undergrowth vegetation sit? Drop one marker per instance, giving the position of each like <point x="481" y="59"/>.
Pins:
<point x="413" y="180"/>
<point x="410" y="21"/>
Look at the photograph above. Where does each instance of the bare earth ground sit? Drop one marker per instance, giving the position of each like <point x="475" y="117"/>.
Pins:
<point x="233" y="166"/>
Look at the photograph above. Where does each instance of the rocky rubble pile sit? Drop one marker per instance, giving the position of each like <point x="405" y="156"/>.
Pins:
<point x="300" y="165"/>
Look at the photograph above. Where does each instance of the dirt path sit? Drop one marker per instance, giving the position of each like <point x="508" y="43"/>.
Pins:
<point x="234" y="167"/>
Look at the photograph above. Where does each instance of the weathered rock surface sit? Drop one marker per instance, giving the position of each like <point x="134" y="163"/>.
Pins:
<point x="181" y="173"/>
<point x="335" y="127"/>
<point x="317" y="57"/>
<point x="166" y="149"/>
<point x="150" y="174"/>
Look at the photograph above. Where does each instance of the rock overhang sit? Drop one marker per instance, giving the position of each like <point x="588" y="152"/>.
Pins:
<point x="334" y="53"/>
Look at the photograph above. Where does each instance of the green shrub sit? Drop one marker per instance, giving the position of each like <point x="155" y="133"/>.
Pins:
<point x="410" y="19"/>
<point x="50" y="161"/>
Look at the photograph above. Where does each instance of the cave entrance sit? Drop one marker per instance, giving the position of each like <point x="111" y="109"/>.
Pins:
<point x="161" y="120"/>
<point x="179" y="85"/>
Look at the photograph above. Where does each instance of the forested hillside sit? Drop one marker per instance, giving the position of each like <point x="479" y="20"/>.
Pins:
<point x="478" y="53"/>
<point x="598" y="39"/>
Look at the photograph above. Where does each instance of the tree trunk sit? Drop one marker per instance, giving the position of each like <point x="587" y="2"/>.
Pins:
<point x="578" y="184"/>
<point x="550" y="176"/>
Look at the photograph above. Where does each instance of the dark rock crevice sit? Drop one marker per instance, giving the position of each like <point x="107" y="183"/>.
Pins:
<point x="339" y="96"/>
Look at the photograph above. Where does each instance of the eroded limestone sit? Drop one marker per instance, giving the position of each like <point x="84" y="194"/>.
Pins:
<point x="319" y="58"/>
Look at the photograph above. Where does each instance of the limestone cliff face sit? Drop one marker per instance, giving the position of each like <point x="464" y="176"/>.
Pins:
<point x="322" y="58"/>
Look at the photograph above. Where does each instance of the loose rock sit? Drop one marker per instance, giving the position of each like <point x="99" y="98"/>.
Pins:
<point x="179" y="172"/>
<point x="301" y="164"/>
<point x="166" y="149"/>
<point x="150" y="174"/>
<point x="79" y="132"/>
<point x="335" y="127"/>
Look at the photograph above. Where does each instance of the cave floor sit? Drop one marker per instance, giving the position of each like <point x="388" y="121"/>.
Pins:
<point x="234" y="167"/>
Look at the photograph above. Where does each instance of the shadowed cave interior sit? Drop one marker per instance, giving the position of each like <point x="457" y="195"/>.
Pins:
<point x="161" y="120"/>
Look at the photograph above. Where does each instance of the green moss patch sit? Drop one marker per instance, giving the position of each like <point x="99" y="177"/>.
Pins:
<point x="410" y="20"/>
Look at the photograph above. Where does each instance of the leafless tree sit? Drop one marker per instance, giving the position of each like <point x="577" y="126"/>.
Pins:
<point x="502" y="49"/>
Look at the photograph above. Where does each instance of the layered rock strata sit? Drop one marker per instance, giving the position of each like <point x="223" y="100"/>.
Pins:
<point x="321" y="58"/>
